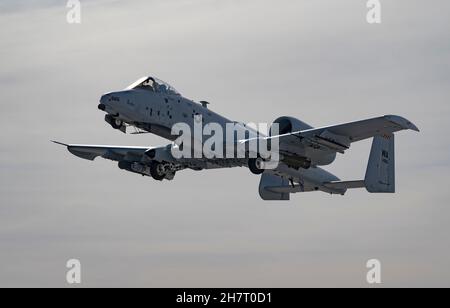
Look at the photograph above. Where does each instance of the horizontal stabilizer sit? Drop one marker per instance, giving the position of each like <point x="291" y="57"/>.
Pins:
<point x="287" y="189"/>
<point x="345" y="184"/>
<point x="380" y="173"/>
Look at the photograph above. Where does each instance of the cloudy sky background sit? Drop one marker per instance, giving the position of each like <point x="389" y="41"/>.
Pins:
<point x="254" y="60"/>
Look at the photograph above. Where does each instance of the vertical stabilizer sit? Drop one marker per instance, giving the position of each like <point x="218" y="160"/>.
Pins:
<point x="380" y="173"/>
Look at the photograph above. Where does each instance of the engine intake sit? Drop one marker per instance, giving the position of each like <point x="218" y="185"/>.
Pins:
<point x="288" y="125"/>
<point x="297" y="157"/>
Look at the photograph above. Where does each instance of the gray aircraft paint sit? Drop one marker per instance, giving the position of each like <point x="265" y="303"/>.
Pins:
<point x="155" y="106"/>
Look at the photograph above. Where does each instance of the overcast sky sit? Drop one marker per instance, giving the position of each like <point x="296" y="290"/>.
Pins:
<point x="254" y="60"/>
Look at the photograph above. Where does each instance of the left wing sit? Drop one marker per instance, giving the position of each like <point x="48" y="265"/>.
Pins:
<point x="116" y="153"/>
<point x="156" y="162"/>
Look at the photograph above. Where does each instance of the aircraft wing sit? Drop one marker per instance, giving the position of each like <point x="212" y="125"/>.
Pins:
<point x="153" y="162"/>
<point x="337" y="138"/>
<point x="140" y="159"/>
<point x="116" y="153"/>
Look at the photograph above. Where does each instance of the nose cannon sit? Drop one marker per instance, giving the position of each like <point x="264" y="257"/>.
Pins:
<point x="102" y="105"/>
<point x="103" y="100"/>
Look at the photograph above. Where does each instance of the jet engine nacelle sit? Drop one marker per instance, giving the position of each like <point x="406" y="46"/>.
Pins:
<point x="289" y="124"/>
<point x="305" y="159"/>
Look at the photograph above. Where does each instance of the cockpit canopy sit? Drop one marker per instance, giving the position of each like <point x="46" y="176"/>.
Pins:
<point x="153" y="84"/>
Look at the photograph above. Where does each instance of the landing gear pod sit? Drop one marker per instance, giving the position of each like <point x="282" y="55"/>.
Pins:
<point x="116" y="123"/>
<point x="256" y="165"/>
<point x="157" y="171"/>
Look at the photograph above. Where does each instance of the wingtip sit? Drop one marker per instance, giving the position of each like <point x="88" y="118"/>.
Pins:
<point x="60" y="143"/>
<point x="405" y="123"/>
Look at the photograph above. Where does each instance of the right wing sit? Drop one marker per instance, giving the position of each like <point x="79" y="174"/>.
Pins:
<point x="337" y="138"/>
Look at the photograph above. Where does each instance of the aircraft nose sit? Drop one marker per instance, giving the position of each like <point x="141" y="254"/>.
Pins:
<point x="103" y="100"/>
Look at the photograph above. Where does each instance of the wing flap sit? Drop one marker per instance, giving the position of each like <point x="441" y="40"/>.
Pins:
<point x="331" y="143"/>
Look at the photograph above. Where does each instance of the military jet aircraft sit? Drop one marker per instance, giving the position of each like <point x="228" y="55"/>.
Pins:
<point x="152" y="106"/>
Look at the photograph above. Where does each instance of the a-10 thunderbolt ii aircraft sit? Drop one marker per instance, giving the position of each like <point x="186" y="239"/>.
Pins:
<point x="152" y="106"/>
